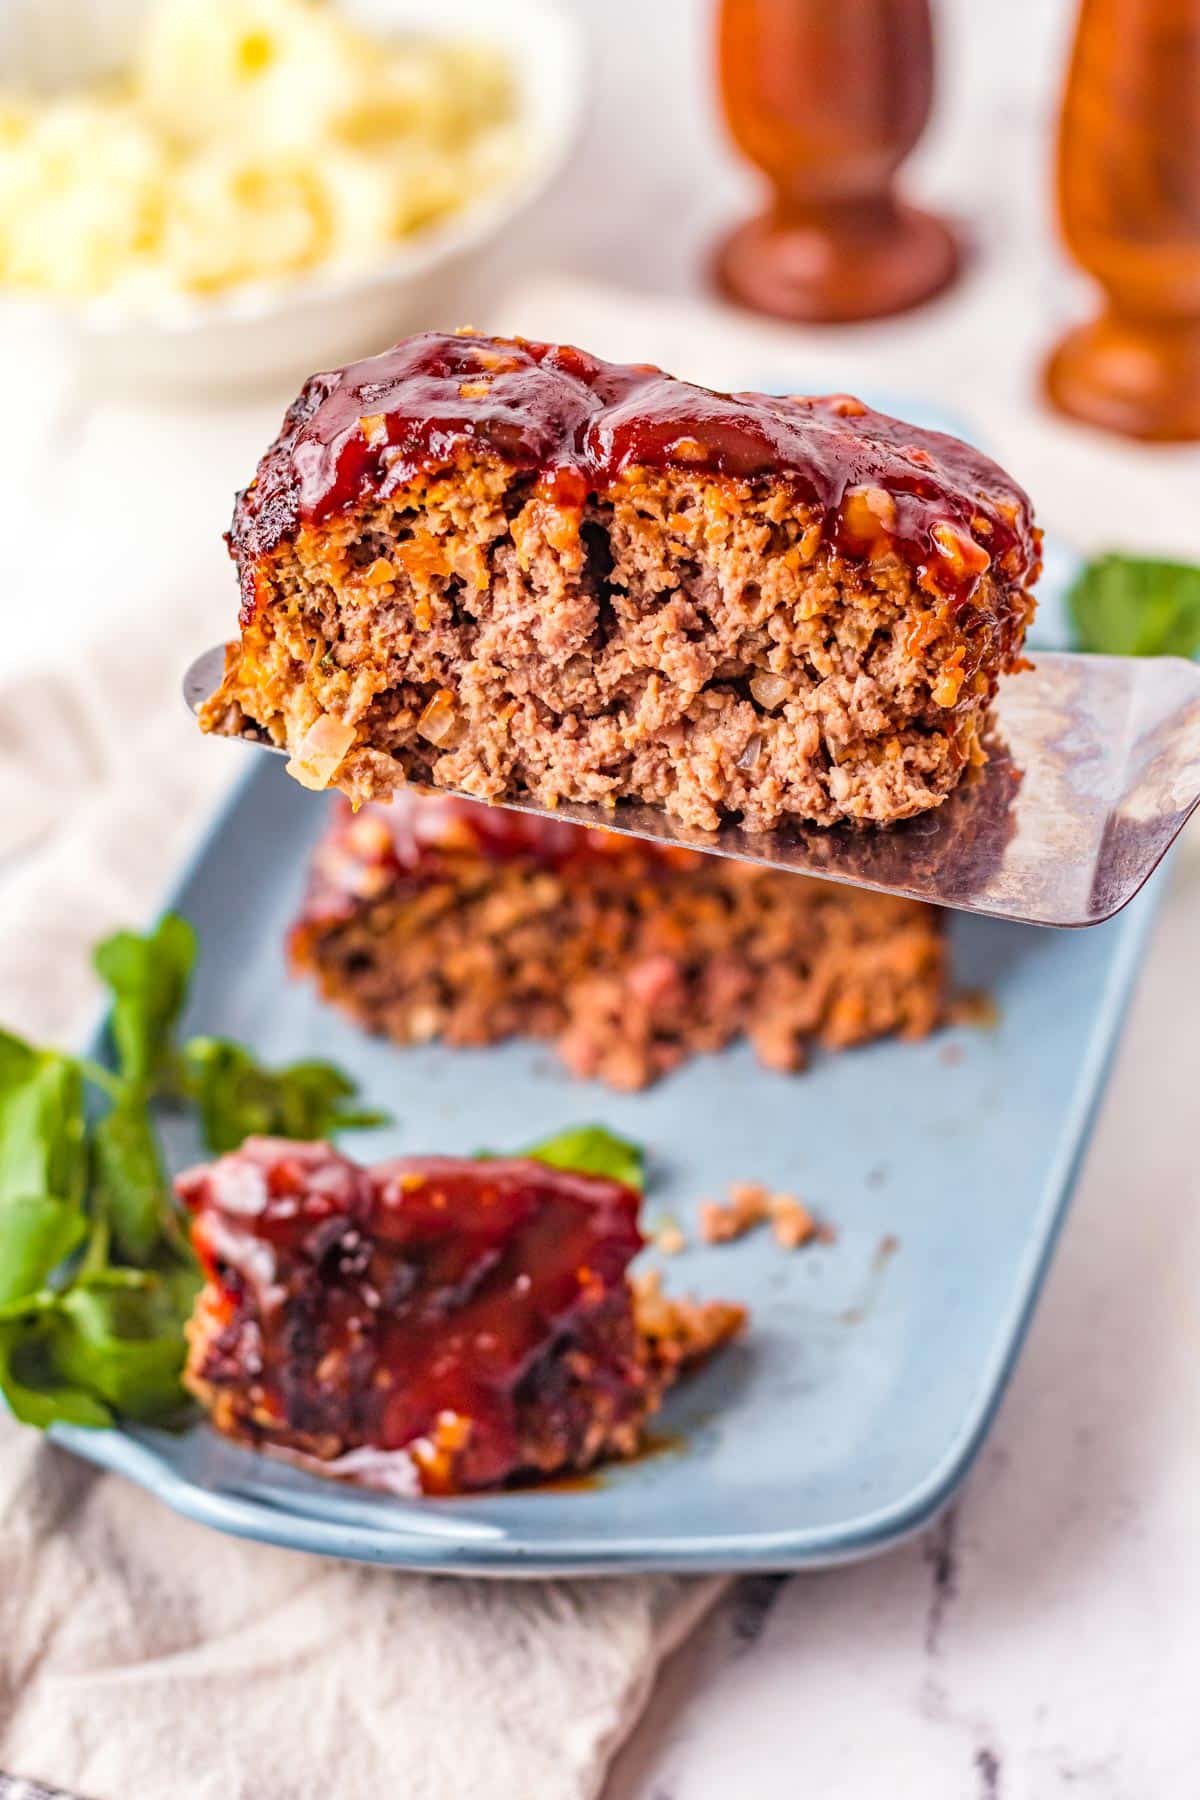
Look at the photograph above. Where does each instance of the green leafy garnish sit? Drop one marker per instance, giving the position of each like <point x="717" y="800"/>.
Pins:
<point x="149" y="979"/>
<point x="97" y="1275"/>
<point x="42" y="1136"/>
<point x="238" y="1098"/>
<point x="31" y="1385"/>
<point x="1133" y="606"/>
<point x="592" y="1150"/>
<point x="123" y="1344"/>
<point x="36" y="1235"/>
<point x="128" y="1179"/>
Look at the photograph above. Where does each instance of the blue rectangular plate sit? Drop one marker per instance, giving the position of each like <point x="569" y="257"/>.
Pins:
<point x="868" y="1378"/>
<point x="861" y="1393"/>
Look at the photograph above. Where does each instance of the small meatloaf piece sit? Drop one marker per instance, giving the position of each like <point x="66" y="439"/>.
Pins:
<point x="470" y="1321"/>
<point x="438" y="917"/>
<point x="509" y="568"/>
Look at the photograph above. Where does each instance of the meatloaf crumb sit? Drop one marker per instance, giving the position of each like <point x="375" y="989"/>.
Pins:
<point x="436" y="917"/>
<point x="747" y="1207"/>
<point x="792" y="1223"/>
<point x="511" y="569"/>
<point x="679" y="1331"/>
<point x="470" y="1320"/>
<point x="751" y="1204"/>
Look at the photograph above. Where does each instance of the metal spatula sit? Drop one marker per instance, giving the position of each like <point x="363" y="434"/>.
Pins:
<point x="1094" y="772"/>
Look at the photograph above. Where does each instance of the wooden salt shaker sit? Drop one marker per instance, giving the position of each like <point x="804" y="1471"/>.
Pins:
<point x="1129" y="209"/>
<point x="827" y="98"/>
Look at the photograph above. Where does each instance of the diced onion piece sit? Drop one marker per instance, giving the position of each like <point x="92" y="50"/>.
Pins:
<point x="437" y="721"/>
<point x="322" y="749"/>
<point x="752" y="752"/>
<point x="947" y="687"/>
<point x="770" y="690"/>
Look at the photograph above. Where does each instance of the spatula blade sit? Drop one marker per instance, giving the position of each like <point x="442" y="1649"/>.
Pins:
<point x="1094" y="772"/>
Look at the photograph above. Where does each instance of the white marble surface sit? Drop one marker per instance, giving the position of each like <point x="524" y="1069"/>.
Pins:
<point x="1045" y="1639"/>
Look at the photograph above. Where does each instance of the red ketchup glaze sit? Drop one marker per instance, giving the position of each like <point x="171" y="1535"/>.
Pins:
<point x="575" y="424"/>
<point x="415" y="837"/>
<point x="380" y="1300"/>
<point x="415" y="824"/>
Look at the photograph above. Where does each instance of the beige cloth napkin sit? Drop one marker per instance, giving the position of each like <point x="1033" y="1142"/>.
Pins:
<point x="143" y="1657"/>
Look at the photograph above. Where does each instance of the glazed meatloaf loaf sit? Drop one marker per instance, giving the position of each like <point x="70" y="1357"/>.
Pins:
<point x="429" y="1324"/>
<point x="439" y="917"/>
<point x="510" y="568"/>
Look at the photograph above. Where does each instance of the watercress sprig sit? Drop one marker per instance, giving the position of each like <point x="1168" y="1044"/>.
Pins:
<point x="97" y="1274"/>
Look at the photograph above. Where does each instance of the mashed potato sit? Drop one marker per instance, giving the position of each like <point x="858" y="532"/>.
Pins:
<point x="254" y="140"/>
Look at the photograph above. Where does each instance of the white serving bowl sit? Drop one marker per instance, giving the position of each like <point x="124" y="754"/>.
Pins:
<point x="264" y="332"/>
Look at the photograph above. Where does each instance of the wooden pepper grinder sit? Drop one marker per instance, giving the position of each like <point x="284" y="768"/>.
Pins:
<point x="1129" y="208"/>
<point x="828" y="97"/>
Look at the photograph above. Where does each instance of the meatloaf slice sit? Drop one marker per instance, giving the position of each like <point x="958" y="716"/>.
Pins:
<point x="510" y="568"/>
<point x="438" y="917"/>
<point x="462" y="1323"/>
